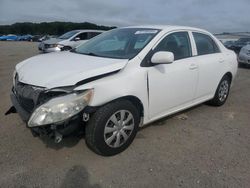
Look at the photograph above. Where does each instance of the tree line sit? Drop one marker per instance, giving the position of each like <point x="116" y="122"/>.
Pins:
<point x="50" y="28"/>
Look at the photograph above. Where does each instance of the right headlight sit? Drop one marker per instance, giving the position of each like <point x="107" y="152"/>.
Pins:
<point x="60" y="108"/>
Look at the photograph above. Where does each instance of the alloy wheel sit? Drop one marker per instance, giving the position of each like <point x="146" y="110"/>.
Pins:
<point x="223" y="90"/>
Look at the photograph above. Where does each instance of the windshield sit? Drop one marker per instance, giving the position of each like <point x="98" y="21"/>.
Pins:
<point x="68" y="34"/>
<point x="122" y="43"/>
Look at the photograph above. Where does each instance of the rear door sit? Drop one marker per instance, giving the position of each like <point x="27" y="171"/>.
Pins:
<point x="210" y="62"/>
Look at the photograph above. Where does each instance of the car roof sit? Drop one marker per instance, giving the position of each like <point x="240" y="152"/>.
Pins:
<point x="167" y="27"/>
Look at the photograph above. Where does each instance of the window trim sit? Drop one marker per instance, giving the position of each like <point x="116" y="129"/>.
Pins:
<point x="208" y="35"/>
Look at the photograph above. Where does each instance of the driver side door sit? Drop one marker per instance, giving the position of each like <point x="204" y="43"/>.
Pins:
<point x="172" y="86"/>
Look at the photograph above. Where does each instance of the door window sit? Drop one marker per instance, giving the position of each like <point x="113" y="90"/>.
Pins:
<point x="178" y="43"/>
<point x="205" y="44"/>
<point x="82" y="36"/>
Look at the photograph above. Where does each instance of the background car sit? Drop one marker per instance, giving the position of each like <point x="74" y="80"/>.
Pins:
<point x="25" y="38"/>
<point x="244" y="55"/>
<point x="9" y="37"/>
<point x="229" y="44"/>
<point x="240" y="43"/>
<point x="68" y="40"/>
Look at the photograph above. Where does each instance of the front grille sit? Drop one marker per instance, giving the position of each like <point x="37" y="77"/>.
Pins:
<point x="26" y="95"/>
<point x="46" y="46"/>
<point x="27" y="104"/>
<point x="30" y="96"/>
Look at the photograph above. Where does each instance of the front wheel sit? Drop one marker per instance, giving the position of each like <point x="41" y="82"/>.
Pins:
<point x="112" y="128"/>
<point x="222" y="92"/>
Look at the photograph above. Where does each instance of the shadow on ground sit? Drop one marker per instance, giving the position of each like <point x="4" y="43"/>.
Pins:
<point x="78" y="177"/>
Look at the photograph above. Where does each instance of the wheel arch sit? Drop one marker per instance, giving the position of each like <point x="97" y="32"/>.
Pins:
<point x="230" y="75"/>
<point x="133" y="99"/>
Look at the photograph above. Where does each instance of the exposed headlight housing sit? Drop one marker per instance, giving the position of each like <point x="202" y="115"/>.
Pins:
<point x="60" y="108"/>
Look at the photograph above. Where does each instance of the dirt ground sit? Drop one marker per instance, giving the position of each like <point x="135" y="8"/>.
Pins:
<point x="201" y="147"/>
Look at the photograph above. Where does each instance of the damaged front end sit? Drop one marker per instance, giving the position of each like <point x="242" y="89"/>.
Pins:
<point x="55" y="112"/>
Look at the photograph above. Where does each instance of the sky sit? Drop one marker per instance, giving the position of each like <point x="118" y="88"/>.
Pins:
<point x="213" y="15"/>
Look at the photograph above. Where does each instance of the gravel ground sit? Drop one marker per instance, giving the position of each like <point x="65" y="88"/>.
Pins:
<point x="201" y="147"/>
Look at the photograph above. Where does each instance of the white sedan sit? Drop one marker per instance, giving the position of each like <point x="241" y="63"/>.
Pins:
<point x="120" y="80"/>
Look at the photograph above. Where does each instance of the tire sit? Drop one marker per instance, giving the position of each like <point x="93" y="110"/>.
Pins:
<point x="102" y="133"/>
<point x="222" y="92"/>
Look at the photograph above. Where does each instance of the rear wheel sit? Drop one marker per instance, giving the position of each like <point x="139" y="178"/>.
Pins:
<point x="222" y="92"/>
<point x="112" y="128"/>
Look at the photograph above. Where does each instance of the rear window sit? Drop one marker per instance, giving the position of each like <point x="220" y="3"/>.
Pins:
<point x="205" y="44"/>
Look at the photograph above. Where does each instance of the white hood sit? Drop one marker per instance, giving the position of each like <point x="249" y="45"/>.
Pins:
<point x="64" y="68"/>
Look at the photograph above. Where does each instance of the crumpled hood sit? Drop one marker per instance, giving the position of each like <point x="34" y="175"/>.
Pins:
<point x="52" y="41"/>
<point x="64" y="68"/>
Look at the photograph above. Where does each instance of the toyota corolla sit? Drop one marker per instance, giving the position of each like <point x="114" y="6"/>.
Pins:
<point x="120" y="80"/>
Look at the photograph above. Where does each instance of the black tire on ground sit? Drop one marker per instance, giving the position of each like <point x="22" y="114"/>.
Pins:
<point x="95" y="138"/>
<point x="220" y="98"/>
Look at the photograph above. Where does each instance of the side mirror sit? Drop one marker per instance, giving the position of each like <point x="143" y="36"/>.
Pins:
<point x="77" y="39"/>
<point x="162" y="58"/>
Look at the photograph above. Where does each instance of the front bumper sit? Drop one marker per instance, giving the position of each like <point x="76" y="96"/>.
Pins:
<point x="244" y="59"/>
<point x="64" y="128"/>
<point x="55" y="49"/>
<point x="44" y="48"/>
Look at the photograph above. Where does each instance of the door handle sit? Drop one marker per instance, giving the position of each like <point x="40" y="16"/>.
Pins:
<point x="193" y="66"/>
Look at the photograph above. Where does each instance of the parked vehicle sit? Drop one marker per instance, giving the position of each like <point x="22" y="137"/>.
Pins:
<point x="120" y="80"/>
<point x="229" y="44"/>
<point x="68" y="40"/>
<point x="43" y="38"/>
<point x="240" y="43"/>
<point x="9" y="37"/>
<point x="244" y="55"/>
<point x="25" y="38"/>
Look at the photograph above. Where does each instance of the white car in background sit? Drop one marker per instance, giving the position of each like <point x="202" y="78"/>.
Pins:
<point x="244" y="55"/>
<point x="68" y="40"/>
<point x="120" y="80"/>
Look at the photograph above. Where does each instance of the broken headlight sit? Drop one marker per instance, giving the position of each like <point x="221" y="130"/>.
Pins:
<point x="60" y="108"/>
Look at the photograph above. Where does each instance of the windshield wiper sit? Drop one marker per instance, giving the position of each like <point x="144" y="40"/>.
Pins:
<point x="91" y="54"/>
